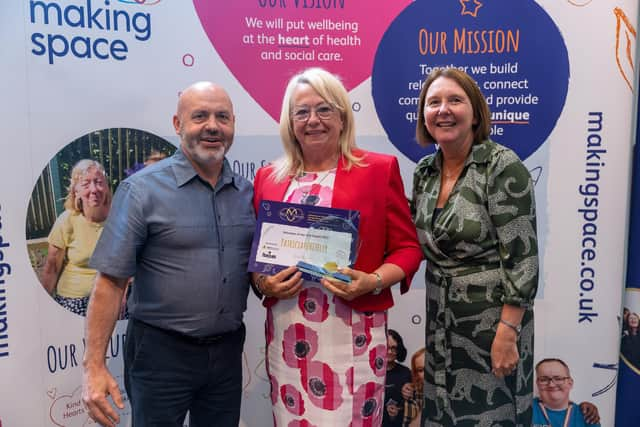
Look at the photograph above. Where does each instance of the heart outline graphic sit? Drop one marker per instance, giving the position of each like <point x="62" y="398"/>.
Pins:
<point x="52" y="393"/>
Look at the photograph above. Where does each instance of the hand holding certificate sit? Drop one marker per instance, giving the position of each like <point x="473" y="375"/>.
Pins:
<point x="317" y="240"/>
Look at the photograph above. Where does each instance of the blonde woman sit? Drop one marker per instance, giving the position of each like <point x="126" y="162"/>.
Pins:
<point x="66" y="275"/>
<point x="413" y="392"/>
<point x="326" y="342"/>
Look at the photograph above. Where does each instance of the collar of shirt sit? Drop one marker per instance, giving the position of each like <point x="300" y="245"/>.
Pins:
<point x="480" y="153"/>
<point x="185" y="172"/>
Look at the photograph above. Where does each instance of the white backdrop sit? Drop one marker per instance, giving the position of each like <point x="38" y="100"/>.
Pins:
<point x="45" y="106"/>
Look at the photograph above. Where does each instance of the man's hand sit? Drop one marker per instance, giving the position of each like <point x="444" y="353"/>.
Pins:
<point x="590" y="413"/>
<point x="285" y="284"/>
<point x="97" y="384"/>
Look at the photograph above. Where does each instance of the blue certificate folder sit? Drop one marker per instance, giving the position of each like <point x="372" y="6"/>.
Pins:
<point x="316" y="239"/>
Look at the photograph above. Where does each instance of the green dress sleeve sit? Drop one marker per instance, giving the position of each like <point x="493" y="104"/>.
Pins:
<point x="511" y="205"/>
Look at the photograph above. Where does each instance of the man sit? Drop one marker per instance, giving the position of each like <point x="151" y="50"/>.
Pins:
<point x="183" y="229"/>
<point x="553" y="408"/>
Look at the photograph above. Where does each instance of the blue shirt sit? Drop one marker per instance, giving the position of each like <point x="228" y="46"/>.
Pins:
<point x="557" y="418"/>
<point x="186" y="244"/>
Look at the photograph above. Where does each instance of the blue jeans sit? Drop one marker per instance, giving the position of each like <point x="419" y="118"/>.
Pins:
<point x="167" y="375"/>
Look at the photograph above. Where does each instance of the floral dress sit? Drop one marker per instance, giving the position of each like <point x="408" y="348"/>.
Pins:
<point x="481" y="252"/>
<point x="326" y="362"/>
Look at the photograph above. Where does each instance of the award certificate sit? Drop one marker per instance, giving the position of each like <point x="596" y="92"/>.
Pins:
<point x="317" y="239"/>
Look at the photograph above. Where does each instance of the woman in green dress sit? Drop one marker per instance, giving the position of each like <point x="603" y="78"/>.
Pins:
<point x="473" y="205"/>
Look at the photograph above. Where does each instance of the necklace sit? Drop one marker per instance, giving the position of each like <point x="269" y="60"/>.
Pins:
<point x="567" y="416"/>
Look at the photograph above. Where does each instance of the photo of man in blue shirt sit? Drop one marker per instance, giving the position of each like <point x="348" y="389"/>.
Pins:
<point x="553" y="408"/>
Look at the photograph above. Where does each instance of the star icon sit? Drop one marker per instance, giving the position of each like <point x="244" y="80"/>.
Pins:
<point x="466" y="8"/>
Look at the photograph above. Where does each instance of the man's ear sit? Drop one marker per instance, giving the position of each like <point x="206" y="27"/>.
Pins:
<point x="176" y="124"/>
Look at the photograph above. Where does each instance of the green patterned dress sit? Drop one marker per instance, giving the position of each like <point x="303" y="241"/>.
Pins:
<point x="481" y="253"/>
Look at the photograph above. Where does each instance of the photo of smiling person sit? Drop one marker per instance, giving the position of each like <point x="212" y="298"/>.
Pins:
<point x="553" y="407"/>
<point x="630" y="346"/>
<point x="70" y="201"/>
<point x="66" y="275"/>
<point x="397" y="376"/>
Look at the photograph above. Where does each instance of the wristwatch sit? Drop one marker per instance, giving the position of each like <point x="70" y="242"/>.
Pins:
<point x="378" y="288"/>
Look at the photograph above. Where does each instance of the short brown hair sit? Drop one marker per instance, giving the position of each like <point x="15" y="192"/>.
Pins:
<point x="553" y="359"/>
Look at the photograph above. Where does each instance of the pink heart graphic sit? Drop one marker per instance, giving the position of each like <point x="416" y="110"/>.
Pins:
<point x="265" y="42"/>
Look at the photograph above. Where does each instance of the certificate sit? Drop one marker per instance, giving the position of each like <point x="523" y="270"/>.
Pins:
<point x="318" y="240"/>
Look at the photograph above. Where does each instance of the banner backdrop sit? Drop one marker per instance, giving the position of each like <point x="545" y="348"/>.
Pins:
<point x="99" y="79"/>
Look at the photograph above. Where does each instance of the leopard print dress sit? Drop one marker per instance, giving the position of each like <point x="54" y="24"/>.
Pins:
<point x="481" y="252"/>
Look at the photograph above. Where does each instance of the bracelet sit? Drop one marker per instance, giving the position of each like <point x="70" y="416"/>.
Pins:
<point x="516" y="328"/>
<point x="378" y="288"/>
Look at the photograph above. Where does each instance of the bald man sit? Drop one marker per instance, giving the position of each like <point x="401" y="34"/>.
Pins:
<point x="182" y="228"/>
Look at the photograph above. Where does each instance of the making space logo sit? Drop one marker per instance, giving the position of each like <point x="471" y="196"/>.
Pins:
<point x="99" y="30"/>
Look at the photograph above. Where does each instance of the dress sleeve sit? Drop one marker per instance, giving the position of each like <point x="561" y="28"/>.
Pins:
<point x="511" y="202"/>
<point x="402" y="248"/>
<point x="123" y="236"/>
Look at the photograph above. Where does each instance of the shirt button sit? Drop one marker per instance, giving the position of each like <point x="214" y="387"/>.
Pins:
<point x="224" y="280"/>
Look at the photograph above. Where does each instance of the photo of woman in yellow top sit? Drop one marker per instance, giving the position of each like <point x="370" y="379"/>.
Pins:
<point x="66" y="275"/>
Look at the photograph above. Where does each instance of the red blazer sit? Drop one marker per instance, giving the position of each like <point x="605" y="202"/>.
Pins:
<point x="386" y="231"/>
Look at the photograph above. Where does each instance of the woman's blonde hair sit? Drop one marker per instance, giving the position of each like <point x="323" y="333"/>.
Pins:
<point x="417" y="383"/>
<point x="73" y="203"/>
<point x="331" y="89"/>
